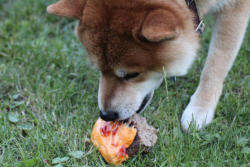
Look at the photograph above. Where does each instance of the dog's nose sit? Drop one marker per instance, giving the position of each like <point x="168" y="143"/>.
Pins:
<point x="108" y="116"/>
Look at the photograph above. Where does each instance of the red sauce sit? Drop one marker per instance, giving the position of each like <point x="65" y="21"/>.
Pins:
<point x="112" y="128"/>
<point x="115" y="129"/>
<point x="122" y="151"/>
<point x="106" y="129"/>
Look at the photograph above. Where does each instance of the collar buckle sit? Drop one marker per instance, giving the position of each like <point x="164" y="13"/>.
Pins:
<point x="201" y="27"/>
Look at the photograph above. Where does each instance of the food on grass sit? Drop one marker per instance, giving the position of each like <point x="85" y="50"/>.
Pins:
<point x="112" y="139"/>
<point x="118" y="141"/>
<point x="146" y="135"/>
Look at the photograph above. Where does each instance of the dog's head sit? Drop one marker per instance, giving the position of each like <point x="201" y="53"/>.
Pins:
<point x="131" y="42"/>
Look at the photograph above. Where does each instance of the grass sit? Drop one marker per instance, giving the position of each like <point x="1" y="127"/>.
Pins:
<point x="48" y="100"/>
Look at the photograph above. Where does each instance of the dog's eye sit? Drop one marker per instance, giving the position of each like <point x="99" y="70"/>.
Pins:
<point x="131" y="76"/>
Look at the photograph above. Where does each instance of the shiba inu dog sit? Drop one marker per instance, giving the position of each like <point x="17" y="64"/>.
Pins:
<point x="132" y="41"/>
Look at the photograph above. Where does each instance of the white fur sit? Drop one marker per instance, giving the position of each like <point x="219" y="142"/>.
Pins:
<point x="187" y="54"/>
<point x="230" y="24"/>
<point x="126" y="101"/>
<point x="198" y="115"/>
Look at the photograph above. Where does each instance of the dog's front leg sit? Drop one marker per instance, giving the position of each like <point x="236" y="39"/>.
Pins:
<point x="230" y="25"/>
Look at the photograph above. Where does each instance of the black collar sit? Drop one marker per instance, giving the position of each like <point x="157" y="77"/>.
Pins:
<point x="199" y="25"/>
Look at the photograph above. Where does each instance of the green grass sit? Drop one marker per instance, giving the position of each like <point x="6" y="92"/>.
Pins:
<point x="46" y="78"/>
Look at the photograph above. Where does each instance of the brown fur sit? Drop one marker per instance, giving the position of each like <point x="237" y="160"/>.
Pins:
<point x="145" y="36"/>
<point x="68" y="8"/>
<point x="113" y="36"/>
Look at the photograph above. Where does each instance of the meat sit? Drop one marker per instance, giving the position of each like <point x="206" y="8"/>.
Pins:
<point x="146" y="136"/>
<point x="117" y="141"/>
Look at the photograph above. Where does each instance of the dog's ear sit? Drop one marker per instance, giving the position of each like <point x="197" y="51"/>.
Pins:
<point x="67" y="8"/>
<point x="160" y="25"/>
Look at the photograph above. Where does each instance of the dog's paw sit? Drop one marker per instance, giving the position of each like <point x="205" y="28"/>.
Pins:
<point x="196" y="116"/>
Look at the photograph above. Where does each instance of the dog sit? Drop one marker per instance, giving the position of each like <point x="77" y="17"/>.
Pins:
<point x="134" y="42"/>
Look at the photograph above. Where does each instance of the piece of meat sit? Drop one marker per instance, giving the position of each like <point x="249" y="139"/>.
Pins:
<point x="112" y="140"/>
<point x="117" y="141"/>
<point x="146" y="135"/>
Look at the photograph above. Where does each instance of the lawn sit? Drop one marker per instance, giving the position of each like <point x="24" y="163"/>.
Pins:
<point x="48" y="100"/>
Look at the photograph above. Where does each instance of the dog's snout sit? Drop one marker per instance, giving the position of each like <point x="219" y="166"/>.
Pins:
<point x="108" y="115"/>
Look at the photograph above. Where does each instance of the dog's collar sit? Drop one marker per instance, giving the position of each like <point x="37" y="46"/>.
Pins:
<point x="199" y="24"/>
